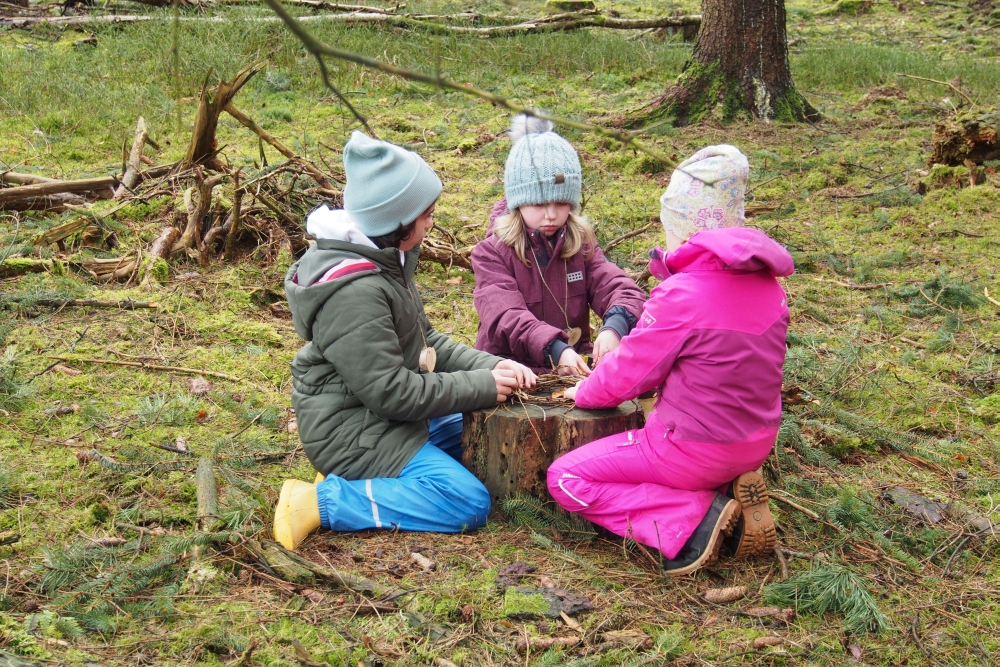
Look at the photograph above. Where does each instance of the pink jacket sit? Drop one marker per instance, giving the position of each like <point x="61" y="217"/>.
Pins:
<point x="711" y="339"/>
<point x="518" y="317"/>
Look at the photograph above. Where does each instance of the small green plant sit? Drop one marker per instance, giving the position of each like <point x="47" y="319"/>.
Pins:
<point x="830" y="589"/>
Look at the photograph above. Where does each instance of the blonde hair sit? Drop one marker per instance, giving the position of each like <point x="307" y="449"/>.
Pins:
<point x="512" y="231"/>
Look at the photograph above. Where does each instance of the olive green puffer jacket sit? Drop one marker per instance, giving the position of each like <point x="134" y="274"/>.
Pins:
<point x="361" y="403"/>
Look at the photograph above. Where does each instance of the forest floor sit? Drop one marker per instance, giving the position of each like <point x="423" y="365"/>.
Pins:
<point x="894" y="340"/>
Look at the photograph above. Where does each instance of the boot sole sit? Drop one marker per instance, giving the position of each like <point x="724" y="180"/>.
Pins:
<point x="723" y="527"/>
<point x="759" y="534"/>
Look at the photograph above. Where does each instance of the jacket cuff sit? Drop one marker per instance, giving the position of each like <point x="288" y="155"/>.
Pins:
<point x="554" y="350"/>
<point x="619" y="320"/>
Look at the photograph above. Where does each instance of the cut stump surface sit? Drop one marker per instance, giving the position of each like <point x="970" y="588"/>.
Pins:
<point x="510" y="448"/>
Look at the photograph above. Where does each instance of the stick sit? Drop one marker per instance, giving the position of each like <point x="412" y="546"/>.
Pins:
<point x="542" y="643"/>
<point x="10" y="195"/>
<point x="24" y="179"/>
<point x="152" y="367"/>
<point x="319" y="49"/>
<point x="56" y="234"/>
<point x="208" y="496"/>
<point x="248" y="123"/>
<point x="85" y="303"/>
<point x="624" y="237"/>
<point x="131" y="175"/>
<point x="781" y="499"/>
<point x="234" y="218"/>
<point x="781" y="559"/>
<point x="941" y="83"/>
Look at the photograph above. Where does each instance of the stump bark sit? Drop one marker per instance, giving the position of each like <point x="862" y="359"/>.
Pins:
<point x="969" y="135"/>
<point x="510" y="448"/>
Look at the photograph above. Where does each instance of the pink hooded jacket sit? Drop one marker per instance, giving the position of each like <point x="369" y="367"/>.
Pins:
<point x="519" y="317"/>
<point x="711" y="339"/>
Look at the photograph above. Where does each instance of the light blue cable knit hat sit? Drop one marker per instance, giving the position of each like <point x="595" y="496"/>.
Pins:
<point x="542" y="166"/>
<point x="387" y="186"/>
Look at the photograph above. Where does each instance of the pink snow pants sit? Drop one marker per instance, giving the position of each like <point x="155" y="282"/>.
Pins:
<point x="643" y="485"/>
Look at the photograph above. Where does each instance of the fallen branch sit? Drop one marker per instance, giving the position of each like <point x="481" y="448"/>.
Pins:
<point x="18" y="266"/>
<point x="24" y="179"/>
<point x="63" y="231"/>
<point x="298" y="570"/>
<point x="83" y="303"/>
<point x="151" y="367"/>
<point x="444" y="254"/>
<point x="162" y="248"/>
<point x="131" y="175"/>
<point x="20" y="193"/>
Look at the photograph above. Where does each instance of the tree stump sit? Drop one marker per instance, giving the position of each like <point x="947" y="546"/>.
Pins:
<point x="510" y="448"/>
<point x="969" y="135"/>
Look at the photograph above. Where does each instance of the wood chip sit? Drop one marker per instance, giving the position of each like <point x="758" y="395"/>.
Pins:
<point x="724" y="595"/>
<point x="423" y="561"/>
<point x="764" y="642"/>
<point x="66" y="370"/>
<point x="571" y="622"/>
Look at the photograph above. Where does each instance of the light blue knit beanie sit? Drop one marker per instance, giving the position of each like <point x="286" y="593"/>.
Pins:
<point x="387" y="186"/>
<point x="542" y="166"/>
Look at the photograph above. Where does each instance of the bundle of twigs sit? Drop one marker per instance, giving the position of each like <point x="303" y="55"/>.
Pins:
<point x="549" y="390"/>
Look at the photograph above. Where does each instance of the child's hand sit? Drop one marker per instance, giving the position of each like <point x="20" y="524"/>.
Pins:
<point x="571" y="392"/>
<point x="571" y="363"/>
<point x="606" y="341"/>
<point x="506" y="382"/>
<point x="525" y="378"/>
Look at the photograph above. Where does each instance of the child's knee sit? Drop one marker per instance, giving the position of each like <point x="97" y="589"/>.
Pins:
<point x="476" y="502"/>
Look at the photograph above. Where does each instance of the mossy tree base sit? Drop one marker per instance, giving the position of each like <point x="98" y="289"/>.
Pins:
<point x="739" y="69"/>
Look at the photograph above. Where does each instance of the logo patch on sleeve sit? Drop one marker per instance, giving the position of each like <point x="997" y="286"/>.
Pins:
<point x="574" y="277"/>
<point x="647" y="319"/>
<point x="346" y="268"/>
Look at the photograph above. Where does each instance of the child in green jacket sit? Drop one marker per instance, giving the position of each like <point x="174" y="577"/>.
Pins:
<point x="378" y="393"/>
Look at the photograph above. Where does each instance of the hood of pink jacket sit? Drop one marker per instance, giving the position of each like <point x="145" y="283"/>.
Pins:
<point x="726" y="249"/>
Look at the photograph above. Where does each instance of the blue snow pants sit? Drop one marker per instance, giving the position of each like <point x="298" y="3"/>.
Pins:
<point x="434" y="492"/>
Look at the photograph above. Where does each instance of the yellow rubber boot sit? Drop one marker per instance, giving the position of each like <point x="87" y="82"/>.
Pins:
<point x="296" y="514"/>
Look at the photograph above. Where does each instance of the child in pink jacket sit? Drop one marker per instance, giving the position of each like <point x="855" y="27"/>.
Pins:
<point x="539" y="271"/>
<point x="711" y="341"/>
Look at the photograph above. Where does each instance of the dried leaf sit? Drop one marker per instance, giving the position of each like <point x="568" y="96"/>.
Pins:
<point x="764" y="642"/>
<point x="855" y="652"/>
<point x="380" y="648"/>
<point x="724" y="595"/>
<point x="181" y="443"/>
<point x="199" y="386"/>
<point x="84" y="458"/>
<point x="468" y="613"/>
<point x="293" y="425"/>
<point x="545" y="582"/>
<point x="457" y="280"/>
<point x="313" y="595"/>
<point x="571" y="622"/>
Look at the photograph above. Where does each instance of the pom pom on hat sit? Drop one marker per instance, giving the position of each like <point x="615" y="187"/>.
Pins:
<point x="706" y="191"/>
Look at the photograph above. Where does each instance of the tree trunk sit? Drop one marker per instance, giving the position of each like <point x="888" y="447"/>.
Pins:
<point x="510" y="448"/>
<point x="739" y="68"/>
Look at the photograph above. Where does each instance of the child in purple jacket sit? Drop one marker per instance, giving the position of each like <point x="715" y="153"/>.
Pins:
<point x="711" y="340"/>
<point x="539" y="271"/>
